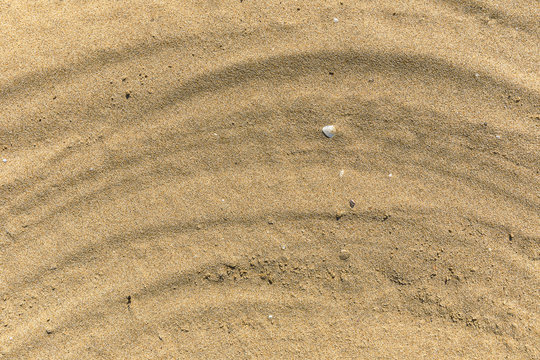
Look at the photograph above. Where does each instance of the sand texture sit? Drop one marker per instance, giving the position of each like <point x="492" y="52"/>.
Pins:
<point x="166" y="191"/>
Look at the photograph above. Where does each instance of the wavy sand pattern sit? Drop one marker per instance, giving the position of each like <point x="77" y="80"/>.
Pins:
<point x="167" y="192"/>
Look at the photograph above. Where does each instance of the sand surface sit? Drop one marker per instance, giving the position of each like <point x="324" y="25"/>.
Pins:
<point x="167" y="192"/>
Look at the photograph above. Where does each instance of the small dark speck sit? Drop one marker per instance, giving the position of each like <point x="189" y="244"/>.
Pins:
<point x="352" y="203"/>
<point x="129" y="299"/>
<point x="331" y="72"/>
<point x="128" y="95"/>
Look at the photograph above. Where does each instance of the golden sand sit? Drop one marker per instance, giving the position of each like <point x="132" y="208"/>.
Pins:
<point x="167" y="191"/>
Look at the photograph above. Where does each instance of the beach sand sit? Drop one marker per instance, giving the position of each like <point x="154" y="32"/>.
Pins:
<point x="166" y="191"/>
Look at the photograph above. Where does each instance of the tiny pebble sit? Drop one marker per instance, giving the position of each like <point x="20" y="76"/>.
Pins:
<point x="4" y="160"/>
<point x="477" y="75"/>
<point x="498" y="136"/>
<point x="389" y="175"/>
<point x="329" y="131"/>
<point x="352" y="203"/>
<point x="336" y="20"/>
<point x="341" y="173"/>
<point x="344" y="255"/>
<point x="283" y="247"/>
<point x="270" y="317"/>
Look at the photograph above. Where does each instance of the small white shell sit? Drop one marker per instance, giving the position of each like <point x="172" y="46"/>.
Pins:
<point x="329" y="131"/>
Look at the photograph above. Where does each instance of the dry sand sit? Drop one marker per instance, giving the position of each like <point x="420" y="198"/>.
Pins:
<point x="167" y="192"/>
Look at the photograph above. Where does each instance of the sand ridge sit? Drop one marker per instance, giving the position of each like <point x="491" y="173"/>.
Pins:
<point x="168" y="192"/>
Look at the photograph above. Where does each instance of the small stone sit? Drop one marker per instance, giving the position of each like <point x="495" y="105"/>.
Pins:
<point x="49" y="331"/>
<point x="498" y="136"/>
<point x="329" y="131"/>
<point x="344" y="255"/>
<point x="336" y="20"/>
<point x="510" y="236"/>
<point x="339" y="215"/>
<point x="4" y="160"/>
<point x="341" y="173"/>
<point x="270" y="317"/>
<point x="352" y="203"/>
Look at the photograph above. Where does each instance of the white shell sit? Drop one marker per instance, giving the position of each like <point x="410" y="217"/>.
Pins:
<point x="329" y="131"/>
